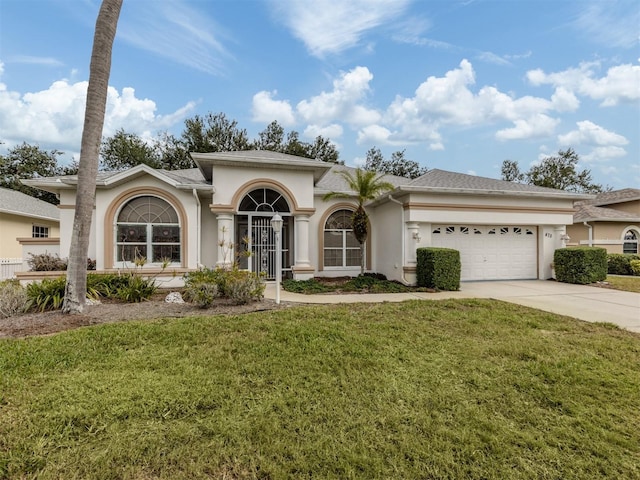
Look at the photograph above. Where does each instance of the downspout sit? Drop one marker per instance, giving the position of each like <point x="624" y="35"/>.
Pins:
<point x="198" y="221"/>
<point x="590" y="233"/>
<point x="403" y="237"/>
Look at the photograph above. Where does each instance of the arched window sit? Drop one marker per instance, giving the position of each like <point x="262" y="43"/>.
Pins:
<point x="630" y="242"/>
<point x="264" y="200"/>
<point x="148" y="227"/>
<point x="341" y="249"/>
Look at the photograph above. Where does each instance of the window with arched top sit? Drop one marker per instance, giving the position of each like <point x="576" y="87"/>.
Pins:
<point x="148" y="228"/>
<point x="264" y="200"/>
<point x="341" y="249"/>
<point x="630" y="242"/>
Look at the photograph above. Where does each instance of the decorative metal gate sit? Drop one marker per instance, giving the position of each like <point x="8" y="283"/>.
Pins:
<point x="263" y="247"/>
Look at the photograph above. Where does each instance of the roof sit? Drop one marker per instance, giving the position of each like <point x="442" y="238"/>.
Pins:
<point x="18" y="203"/>
<point x="333" y="181"/>
<point x="592" y="213"/>
<point x="614" y="196"/>
<point x="444" y="181"/>
<point x="258" y="158"/>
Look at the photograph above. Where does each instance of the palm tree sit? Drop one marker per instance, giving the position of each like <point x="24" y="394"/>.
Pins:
<point x="99" y="70"/>
<point x="366" y="185"/>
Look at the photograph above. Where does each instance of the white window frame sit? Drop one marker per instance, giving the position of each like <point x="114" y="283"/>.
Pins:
<point x="344" y="248"/>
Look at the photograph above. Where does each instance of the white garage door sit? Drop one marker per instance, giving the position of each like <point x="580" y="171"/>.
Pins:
<point x="491" y="252"/>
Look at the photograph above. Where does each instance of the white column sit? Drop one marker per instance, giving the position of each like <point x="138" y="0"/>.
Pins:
<point x="412" y="240"/>
<point x="225" y="240"/>
<point x="302" y="268"/>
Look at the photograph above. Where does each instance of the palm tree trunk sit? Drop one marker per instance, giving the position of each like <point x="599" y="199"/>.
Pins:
<point x="99" y="71"/>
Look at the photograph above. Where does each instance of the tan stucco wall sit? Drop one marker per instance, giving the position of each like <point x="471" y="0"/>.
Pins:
<point x="16" y="226"/>
<point x="628" y="207"/>
<point x="606" y="235"/>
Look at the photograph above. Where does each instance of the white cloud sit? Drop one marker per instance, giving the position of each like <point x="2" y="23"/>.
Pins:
<point x="177" y="31"/>
<point x="54" y="117"/>
<point x="537" y="126"/>
<point x="588" y="133"/>
<point x="343" y="102"/>
<point x="491" y="57"/>
<point x="27" y="59"/>
<point x="603" y="154"/>
<point x="612" y="23"/>
<point x="332" y="131"/>
<point x="265" y="109"/>
<point x="332" y="26"/>
<point x="620" y="84"/>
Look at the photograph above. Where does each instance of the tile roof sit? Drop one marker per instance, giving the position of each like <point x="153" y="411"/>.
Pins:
<point x="18" y="203"/>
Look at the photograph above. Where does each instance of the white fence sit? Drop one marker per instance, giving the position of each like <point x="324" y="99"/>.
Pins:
<point x="9" y="267"/>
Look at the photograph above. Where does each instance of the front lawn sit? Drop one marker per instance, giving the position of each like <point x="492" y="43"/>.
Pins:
<point x="419" y="389"/>
<point x="626" y="283"/>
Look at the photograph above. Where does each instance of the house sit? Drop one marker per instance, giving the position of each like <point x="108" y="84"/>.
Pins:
<point x="611" y="220"/>
<point x="215" y="214"/>
<point x="27" y="222"/>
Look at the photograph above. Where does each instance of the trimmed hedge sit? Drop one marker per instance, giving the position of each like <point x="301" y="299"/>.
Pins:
<point x="581" y="265"/>
<point x="620" y="263"/>
<point x="438" y="268"/>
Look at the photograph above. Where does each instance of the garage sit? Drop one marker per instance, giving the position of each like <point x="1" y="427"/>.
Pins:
<point x="491" y="252"/>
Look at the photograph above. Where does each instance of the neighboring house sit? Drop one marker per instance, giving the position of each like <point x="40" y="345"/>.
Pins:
<point x="24" y="220"/>
<point x="610" y="220"/>
<point x="210" y="215"/>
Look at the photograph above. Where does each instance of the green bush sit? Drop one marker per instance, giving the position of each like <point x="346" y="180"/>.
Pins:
<point x="13" y="299"/>
<point x="438" y="268"/>
<point x="135" y="288"/>
<point x="201" y="293"/>
<point x="581" y="265"/>
<point x="620" y="263"/>
<point x="305" y="286"/>
<point x="635" y="267"/>
<point x="47" y="294"/>
<point x="240" y="286"/>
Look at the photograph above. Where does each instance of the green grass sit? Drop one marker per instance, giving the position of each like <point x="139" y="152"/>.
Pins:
<point x="432" y="389"/>
<point x="626" y="283"/>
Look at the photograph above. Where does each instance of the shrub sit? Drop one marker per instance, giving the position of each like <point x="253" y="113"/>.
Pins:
<point x="635" y="267"/>
<point x="13" y="299"/>
<point x="580" y="265"/>
<point x="135" y="288"/>
<point x="47" y="294"/>
<point x="240" y="286"/>
<point x="305" y="286"/>
<point x="620" y="263"/>
<point x="46" y="262"/>
<point x="201" y="293"/>
<point x="438" y="268"/>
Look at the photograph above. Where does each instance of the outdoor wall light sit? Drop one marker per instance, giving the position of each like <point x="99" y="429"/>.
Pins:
<point x="417" y="237"/>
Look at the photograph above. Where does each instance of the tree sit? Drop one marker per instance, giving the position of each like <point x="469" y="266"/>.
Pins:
<point x="172" y="152"/>
<point x="366" y="185"/>
<point x="398" y="165"/>
<point x="271" y="138"/>
<point x="511" y="171"/>
<point x="125" y="150"/>
<point x="323" y="149"/>
<point x="99" y="71"/>
<point x="214" y="133"/>
<point x="29" y="161"/>
<point x="559" y="172"/>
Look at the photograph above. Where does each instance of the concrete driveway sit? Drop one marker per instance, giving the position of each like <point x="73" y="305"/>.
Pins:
<point x="591" y="304"/>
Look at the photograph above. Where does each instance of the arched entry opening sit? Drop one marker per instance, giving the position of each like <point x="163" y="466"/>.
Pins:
<point x="255" y="239"/>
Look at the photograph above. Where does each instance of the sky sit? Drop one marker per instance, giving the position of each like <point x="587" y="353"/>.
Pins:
<point x="458" y="85"/>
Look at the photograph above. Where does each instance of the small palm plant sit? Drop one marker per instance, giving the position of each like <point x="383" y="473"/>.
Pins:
<point x="365" y="185"/>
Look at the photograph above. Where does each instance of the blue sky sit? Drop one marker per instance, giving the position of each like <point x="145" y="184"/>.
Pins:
<point x="461" y="86"/>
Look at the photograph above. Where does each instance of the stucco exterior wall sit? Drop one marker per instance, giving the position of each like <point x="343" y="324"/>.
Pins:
<point x="13" y="227"/>
<point x="608" y="235"/>
<point x="628" y="207"/>
<point x="387" y="240"/>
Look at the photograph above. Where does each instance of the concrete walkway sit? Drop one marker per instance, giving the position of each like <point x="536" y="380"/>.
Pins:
<point x="591" y="304"/>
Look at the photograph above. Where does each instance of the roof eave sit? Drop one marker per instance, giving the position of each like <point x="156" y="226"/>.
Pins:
<point x="506" y="193"/>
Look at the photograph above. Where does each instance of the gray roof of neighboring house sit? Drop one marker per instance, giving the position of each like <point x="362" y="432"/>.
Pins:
<point x="592" y="213"/>
<point x="614" y="196"/>
<point x="18" y="203"/>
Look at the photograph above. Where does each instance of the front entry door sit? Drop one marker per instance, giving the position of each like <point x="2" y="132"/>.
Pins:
<point x="262" y="245"/>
